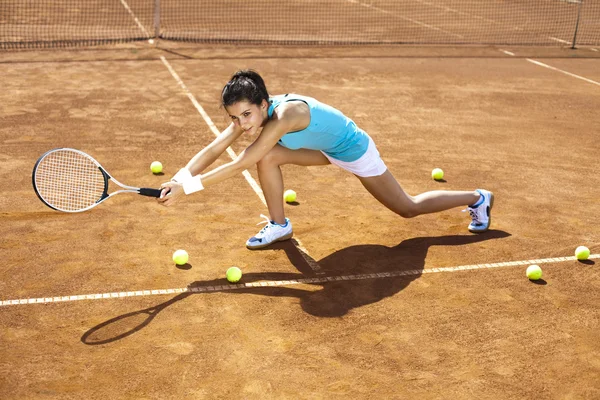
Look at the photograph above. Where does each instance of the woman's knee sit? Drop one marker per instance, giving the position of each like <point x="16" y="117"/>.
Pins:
<point x="272" y="158"/>
<point x="408" y="213"/>
<point x="409" y="208"/>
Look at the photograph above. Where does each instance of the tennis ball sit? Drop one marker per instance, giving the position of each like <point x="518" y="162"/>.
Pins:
<point x="582" y="253"/>
<point x="180" y="257"/>
<point x="156" y="167"/>
<point x="289" y="196"/>
<point x="234" y="274"/>
<point x="437" y="174"/>
<point x="534" y="272"/>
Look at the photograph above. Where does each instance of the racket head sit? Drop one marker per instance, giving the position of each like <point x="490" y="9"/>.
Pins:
<point x="69" y="180"/>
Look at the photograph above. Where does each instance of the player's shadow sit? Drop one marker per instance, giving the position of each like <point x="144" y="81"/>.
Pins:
<point x="336" y="298"/>
<point x="333" y="299"/>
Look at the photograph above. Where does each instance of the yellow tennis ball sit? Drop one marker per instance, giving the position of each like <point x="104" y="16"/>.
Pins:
<point x="582" y="253"/>
<point x="180" y="257"/>
<point x="289" y="196"/>
<point x="534" y="272"/>
<point x="156" y="167"/>
<point x="234" y="274"/>
<point x="437" y="174"/>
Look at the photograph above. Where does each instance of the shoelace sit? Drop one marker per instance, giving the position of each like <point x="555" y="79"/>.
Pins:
<point x="266" y="221"/>
<point x="472" y="213"/>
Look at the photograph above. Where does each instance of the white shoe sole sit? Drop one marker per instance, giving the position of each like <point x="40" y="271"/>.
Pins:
<point x="261" y="246"/>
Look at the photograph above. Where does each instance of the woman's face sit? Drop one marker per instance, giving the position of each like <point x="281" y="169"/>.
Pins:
<point x="248" y="116"/>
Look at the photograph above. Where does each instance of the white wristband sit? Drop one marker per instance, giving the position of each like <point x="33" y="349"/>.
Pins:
<point x="183" y="175"/>
<point x="192" y="185"/>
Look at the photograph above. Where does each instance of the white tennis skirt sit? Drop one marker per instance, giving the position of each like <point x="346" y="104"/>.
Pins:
<point x="369" y="164"/>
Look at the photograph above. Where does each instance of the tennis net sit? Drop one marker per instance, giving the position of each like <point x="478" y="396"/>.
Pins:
<point x="69" y="23"/>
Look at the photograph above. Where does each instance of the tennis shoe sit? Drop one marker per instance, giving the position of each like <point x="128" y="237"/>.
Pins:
<point x="482" y="214"/>
<point x="272" y="232"/>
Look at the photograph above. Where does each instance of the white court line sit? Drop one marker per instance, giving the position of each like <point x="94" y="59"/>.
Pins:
<point x="304" y="253"/>
<point x="559" y="40"/>
<point x="553" y="68"/>
<point x="564" y="72"/>
<point x="322" y="279"/>
<point x="445" y="8"/>
<point x="414" y="21"/>
<point x="311" y="261"/>
<point x="137" y="21"/>
<point x="213" y="128"/>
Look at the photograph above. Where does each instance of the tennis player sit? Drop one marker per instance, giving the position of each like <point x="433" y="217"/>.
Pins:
<point x="294" y="129"/>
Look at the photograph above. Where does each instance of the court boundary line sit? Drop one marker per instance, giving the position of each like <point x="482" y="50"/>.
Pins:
<point x="137" y="21"/>
<point x="414" y="21"/>
<point x="443" y="7"/>
<point x="308" y="280"/>
<point x="564" y="72"/>
<point x="255" y="186"/>
<point x="541" y="64"/>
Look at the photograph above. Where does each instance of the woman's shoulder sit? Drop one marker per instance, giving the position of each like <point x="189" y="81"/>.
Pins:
<point x="294" y="111"/>
<point x="292" y="108"/>
<point x="282" y="98"/>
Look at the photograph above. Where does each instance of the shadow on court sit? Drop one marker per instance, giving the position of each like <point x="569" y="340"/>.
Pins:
<point x="539" y="282"/>
<point x="586" y="262"/>
<point x="333" y="299"/>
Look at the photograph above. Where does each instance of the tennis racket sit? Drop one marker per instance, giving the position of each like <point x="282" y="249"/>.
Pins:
<point x="71" y="181"/>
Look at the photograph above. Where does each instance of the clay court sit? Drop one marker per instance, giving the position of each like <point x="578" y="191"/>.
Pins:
<point x="361" y="304"/>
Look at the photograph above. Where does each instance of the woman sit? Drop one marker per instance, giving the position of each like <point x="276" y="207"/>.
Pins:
<point x="294" y="129"/>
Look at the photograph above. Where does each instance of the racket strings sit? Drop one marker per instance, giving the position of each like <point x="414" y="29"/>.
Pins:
<point x="69" y="180"/>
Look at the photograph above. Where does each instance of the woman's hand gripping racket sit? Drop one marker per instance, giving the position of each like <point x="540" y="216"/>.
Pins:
<point x="71" y="181"/>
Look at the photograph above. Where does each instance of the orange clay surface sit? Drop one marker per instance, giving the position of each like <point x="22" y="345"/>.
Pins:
<point x="490" y="120"/>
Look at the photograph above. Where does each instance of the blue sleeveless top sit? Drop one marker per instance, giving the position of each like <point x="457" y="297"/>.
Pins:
<point x="329" y="131"/>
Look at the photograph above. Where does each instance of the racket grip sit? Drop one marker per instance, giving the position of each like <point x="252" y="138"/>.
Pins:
<point x="150" y="192"/>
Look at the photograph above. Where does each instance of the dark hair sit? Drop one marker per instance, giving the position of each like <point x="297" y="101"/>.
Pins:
<point x="244" y="85"/>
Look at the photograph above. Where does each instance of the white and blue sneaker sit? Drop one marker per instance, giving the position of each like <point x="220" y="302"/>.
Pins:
<point x="481" y="212"/>
<point x="270" y="233"/>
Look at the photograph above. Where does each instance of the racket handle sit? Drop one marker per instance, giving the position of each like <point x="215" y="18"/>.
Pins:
<point x="150" y="192"/>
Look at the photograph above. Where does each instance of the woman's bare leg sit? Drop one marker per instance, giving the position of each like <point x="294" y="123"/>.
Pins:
<point x="271" y="179"/>
<point x="387" y="190"/>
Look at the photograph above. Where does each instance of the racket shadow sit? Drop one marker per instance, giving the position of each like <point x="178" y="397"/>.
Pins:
<point x="125" y="325"/>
